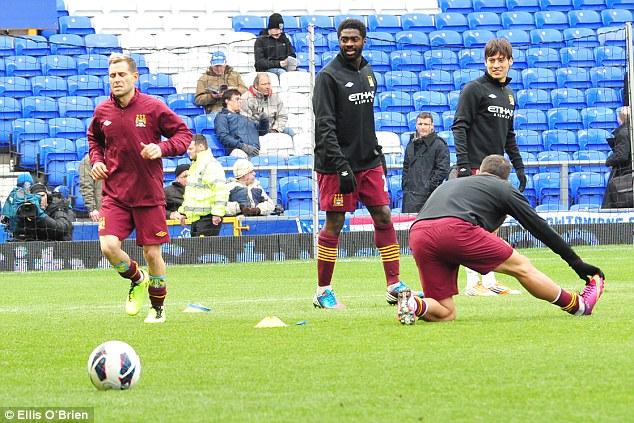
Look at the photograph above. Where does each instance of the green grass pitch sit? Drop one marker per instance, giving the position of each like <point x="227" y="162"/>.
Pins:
<point x="504" y="358"/>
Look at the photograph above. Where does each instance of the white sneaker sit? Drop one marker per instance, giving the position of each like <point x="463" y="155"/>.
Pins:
<point x="156" y="315"/>
<point x="479" y="291"/>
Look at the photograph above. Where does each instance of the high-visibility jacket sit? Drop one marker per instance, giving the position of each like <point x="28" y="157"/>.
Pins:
<point x="206" y="191"/>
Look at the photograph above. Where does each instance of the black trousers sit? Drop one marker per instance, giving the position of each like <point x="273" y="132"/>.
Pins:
<point x="205" y="227"/>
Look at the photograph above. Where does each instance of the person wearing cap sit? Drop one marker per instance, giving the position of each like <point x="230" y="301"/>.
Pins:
<point x="237" y="133"/>
<point x="206" y="194"/>
<point x="215" y="81"/>
<point x="273" y="48"/>
<point x="175" y="191"/>
<point x="24" y="180"/>
<point x="246" y="195"/>
<point x="265" y="107"/>
<point x="48" y="219"/>
<point x="90" y="189"/>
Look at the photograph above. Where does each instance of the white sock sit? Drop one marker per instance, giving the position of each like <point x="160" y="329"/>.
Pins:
<point x="488" y="280"/>
<point x="472" y="278"/>
<point x="322" y="289"/>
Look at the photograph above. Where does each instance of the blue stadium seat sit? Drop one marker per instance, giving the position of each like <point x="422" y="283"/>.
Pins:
<point x="102" y="44"/>
<point x="322" y="23"/>
<point x="598" y="117"/>
<point x="615" y="17"/>
<point x="551" y="19"/>
<point x="560" y="140"/>
<point x="297" y="193"/>
<point x="529" y="141"/>
<point x="497" y="6"/>
<point x="564" y="118"/>
<point x="407" y="60"/>
<point x="6" y="130"/>
<point x="75" y="106"/>
<point x="304" y="61"/>
<point x="589" y="4"/>
<point x="39" y="107"/>
<point x="327" y="56"/>
<point x="447" y="119"/>
<point x="80" y="25"/>
<point x="533" y="99"/>
<point x="24" y="66"/>
<point x="15" y="86"/>
<point x="585" y="19"/>
<point x="337" y="19"/>
<point x="484" y="20"/>
<point x="603" y="97"/>
<point x="2" y="69"/>
<point x="561" y="5"/>
<point x="568" y="97"/>
<point x="451" y="21"/>
<point x="461" y="77"/>
<point x="7" y="46"/>
<point x="58" y="65"/>
<point x="384" y="41"/>
<point x="577" y="56"/>
<point x="453" y="97"/>
<point x="28" y="129"/>
<point x="10" y="108"/>
<point x="433" y="101"/>
<point x="595" y="155"/>
<point x="443" y="59"/>
<point x="183" y="104"/>
<point x="523" y="5"/>
<point x="384" y="23"/>
<point x="445" y="38"/>
<point x="92" y="64"/>
<point x="517" y="37"/>
<point x="379" y="60"/>
<point x="611" y="4"/>
<point x="71" y="128"/>
<point x="61" y="149"/>
<point x="380" y="81"/>
<point x="594" y="139"/>
<point x="519" y="60"/>
<point x="390" y="121"/>
<point x="31" y="45"/>
<point x="418" y="22"/>
<point x="395" y="101"/>
<point x="188" y="120"/>
<point x="303" y="160"/>
<point x="587" y="187"/>
<point x="542" y="57"/>
<point x="529" y="190"/>
<point x="472" y="58"/>
<point x="81" y="145"/>
<point x="395" y="189"/>
<point x="610" y="56"/>
<point x="539" y="78"/>
<point x="204" y="123"/>
<point x="551" y="156"/>
<point x="248" y="23"/>
<point x="85" y="85"/>
<point x="449" y="139"/>
<point x="473" y="38"/>
<point x="611" y="36"/>
<point x="547" y="37"/>
<point x="435" y="80"/>
<point x="459" y="6"/>
<point x="301" y="41"/>
<point x="68" y="44"/>
<point x="157" y="83"/>
<point x="401" y="80"/>
<point x="216" y="147"/>
<point x="412" y="40"/>
<point x="518" y="20"/>
<point x="100" y="99"/>
<point x="572" y="78"/>
<point x="533" y="119"/>
<point x="51" y="86"/>
<point x="607" y="76"/>
<point x="580" y="37"/>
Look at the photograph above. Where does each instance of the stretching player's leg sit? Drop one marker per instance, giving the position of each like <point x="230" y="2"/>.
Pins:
<point x="158" y="285"/>
<point x="327" y="243"/>
<point x="541" y="286"/>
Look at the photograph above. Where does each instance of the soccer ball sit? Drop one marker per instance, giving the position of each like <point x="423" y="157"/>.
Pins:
<point x="114" y="365"/>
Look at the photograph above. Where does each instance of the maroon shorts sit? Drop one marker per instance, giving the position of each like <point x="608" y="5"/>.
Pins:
<point x="371" y="190"/>
<point x="440" y="246"/>
<point x="149" y="222"/>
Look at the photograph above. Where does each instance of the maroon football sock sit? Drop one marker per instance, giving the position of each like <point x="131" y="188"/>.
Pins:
<point x="157" y="290"/>
<point x="129" y="271"/>
<point x="385" y="240"/>
<point x="568" y="301"/>
<point x="326" y="257"/>
<point x="421" y="306"/>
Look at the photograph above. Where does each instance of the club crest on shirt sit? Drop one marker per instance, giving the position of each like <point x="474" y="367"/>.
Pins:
<point x="337" y="200"/>
<point x="370" y="80"/>
<point x="140" y="121"/>
<point x="511" y="100"/>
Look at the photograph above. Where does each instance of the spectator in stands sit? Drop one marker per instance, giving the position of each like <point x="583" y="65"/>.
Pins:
<point x="25" y="180"/>
<point x="175" y="191"/>
<point x="264" y="107"/>
<point x="213" y="83"/>
<point x="425" y="166"/>
<point x="205" y="199"/>
<point x="620" y="160"/>
<point x="246" y="195"/>
<point x="90" y="189"/>
<point x="237" y="133"/>
<point x="273" y="50"/>
<point x="49" y="220"/>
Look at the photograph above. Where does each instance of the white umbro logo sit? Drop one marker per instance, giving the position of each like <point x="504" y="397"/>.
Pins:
<point x="492" y="96"/>
<point x="107" y="123"/>
<point x="349" y="84"/>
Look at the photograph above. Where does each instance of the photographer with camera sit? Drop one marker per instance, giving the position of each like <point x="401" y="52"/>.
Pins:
<point x="213" y="83"/>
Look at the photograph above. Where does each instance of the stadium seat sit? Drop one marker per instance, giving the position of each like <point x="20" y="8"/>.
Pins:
<point x="458" y="6"/>
<point x="304" y="61"/>
<point x="204" y="123"/>
<point x="449" y="139"/>
<point x="406" y="60"/>
<point x="529" y="141"/>
<point x="322" y="23"/>
<point x="15" y="86"/>
<point x="552" y="156"/>
<point x="417" y="22"/>
<point x="28" y="129"/>
<point x="530" y="119"/>
<point x="158" y="84"/>
<point x="560" y="140"/>
<point x="51" y="86"/>
<point x="10" y="108"/>
<point x="6" y="131"/>
<point x="616" y="17"/>
<point x="436" y="80"/>
<point x="539" y="78"/>
<point x="561" y="5"/>
<point x="80" y="25"/>
<point x="395" y="101"/>
<point x="523" y="5"/>
<point x="301" y="42"/>
<point x="401" y="80"/>
<point x="610" y="56"/>
<point x="7" y="46"/>
<point x="595" y="155"/>
<point x="216" y="147"/>
<point x="611" y="4"/>
<point x="542" y="57"/>
<point x="461" y="77"/>
<point x="584" y="18"/>
<point x="572" y="77"/>
<point x="474" y="38"/>
<point x="39" y="107"/>
<point x="102" y="44"/>
<point x="533" y="99"/>
<point x="248" y="23"/>
<point x="337" y="19"/>
<point x="547" y="37"/>
<point x="296" y="193"/>
<point x="304" y="160"/>
<point x="380" y="81"/>
<point x="433" y="101"/>
<point x="445" y="39"/>
<point x="31" y="45"/>
<point x="598" y="117"/>
<point x="529" y="190"/>
<point x="497" y="6"/>
<point x="379" y="60"/>
<point x="607" y="77"/>
<point x="333" y="42"/>
<point x="602" y="97"/>
<point x="92" y="64"/>
<point x="564" y="118"/>
<point x="413" y="40"/>
<point x="183" y="104"/>
<point x="386" y="42"/>
<point x="517" y="37"/>
<point x="85" y="85"/>
<point x="611" y="36"/>
<point x="587" y="187"/>
<point x="577" y="56"/>
<point x="390" y="142"/>
<point x="81" y="145"/>
<point x="451" y="21"/>
<point x="484" y="20"/>
<point x="471" y="58"/>
<point x="71" y="128"/>
<point x="589" y="4"/>
<point x="517" y="20"/>
<point x="447" y="119"/>
<point x="390" y="121"/>
<point x="568" y="97"/>
<point x="593" y="139"/>
<point x="580" y="37"/>
<point x="56" y="149"/>
<point x="24" y="66"/>
<point x="551" y="19"/>
<point x="395" y="189"/>
<point x="58" y="65"/>
<point x="75" y="106"/>
<point x="452" y="98"/>
<point x="384" y="23"/>
<point x="442" y="59"/>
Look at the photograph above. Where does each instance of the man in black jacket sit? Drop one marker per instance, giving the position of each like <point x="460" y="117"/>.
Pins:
<point x="175" y="192"/>
<point x="455" y="228"/>
<point x="620" y="160"/>
<point x="349" y="162"/>
<point x="51" y="220"/>
<point x="273" y="48"/>
<point x="425" y="166"/>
